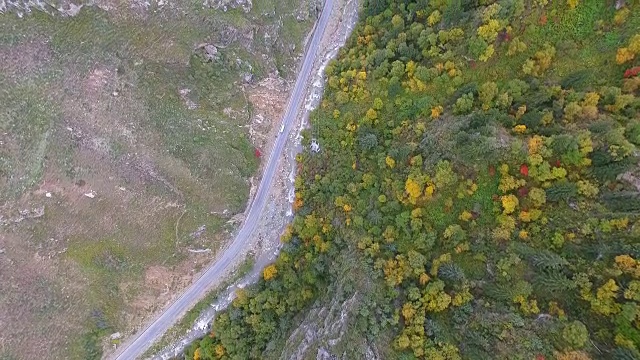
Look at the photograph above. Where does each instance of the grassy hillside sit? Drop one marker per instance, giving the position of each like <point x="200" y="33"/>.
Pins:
<point x="477" y="194"/>
<point x="123" y="144"/>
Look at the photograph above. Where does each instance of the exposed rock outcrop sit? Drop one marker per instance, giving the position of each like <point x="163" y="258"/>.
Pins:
<point x="225" y="5"/>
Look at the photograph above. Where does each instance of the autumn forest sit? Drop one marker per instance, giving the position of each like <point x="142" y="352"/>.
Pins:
<point x="477" y="192"/>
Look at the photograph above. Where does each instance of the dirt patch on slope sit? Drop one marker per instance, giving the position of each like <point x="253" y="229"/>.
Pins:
<point x="268" y="99"/>
<point x="31" y="293"/>
<point x="26" y="59"/>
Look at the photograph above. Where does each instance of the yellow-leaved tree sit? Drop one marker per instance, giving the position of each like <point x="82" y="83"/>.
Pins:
<point x="414" y="190"/>
<point x="629" y="53"/>
<point x="509" y="203"/>
<point x="270" y="272"/>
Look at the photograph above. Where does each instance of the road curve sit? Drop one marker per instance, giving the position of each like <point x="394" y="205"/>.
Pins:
<point x="198" y="289"/>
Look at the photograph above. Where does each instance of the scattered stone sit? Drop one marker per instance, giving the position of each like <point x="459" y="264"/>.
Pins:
<point x="225" y="5"/>
<point x="184" y="94"/>
<point x="23" y="215"/>
<point x="211" y="52"/>
<point x="73" y="9"/>
<point x="2" y="251"/>
<point x="631" y="179"/>
<point x="48" y="194"/>
<point x="196" y="234"/>
<point x="202" y="325"/>
<point x="115" y="336"/>
<point x="90" y="195"/>
<point x="315" y="147"/>
<point x="198" y="251"/>
<point x="247" y="78"/>
<point x="223" y="213"/>
<point x="37" y="212"/>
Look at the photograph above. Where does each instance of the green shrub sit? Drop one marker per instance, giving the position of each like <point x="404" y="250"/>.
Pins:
<point x="577" y="80"/>
<point x="562" y="191"/>
<point x="622" y="201"/>
<point x="575" y="335"/>
<point x="633" y="133"/>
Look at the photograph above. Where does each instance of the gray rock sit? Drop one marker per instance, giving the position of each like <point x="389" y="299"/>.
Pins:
<point x="196" y="234"/>
<point x="211" y="52"/>
<point x="247" y="78"/>
<point x="225" y="5"/>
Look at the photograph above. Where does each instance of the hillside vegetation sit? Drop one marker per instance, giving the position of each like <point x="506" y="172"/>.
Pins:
<point x="477" y="192"/>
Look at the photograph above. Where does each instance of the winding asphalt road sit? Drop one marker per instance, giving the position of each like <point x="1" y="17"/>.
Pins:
<point x="198" y="289"/>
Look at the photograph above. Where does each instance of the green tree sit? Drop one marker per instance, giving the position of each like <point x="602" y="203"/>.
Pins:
<point x="575" y="334"/>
